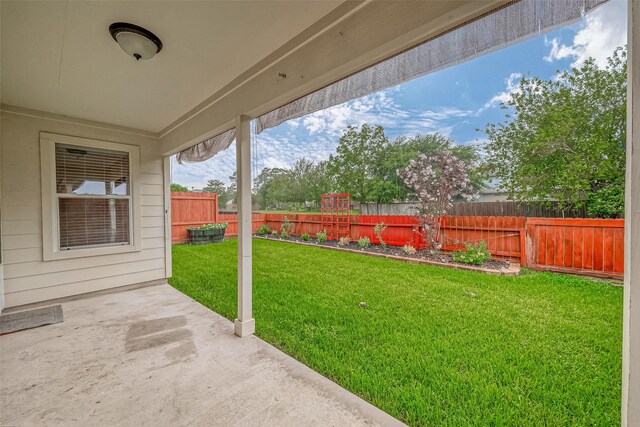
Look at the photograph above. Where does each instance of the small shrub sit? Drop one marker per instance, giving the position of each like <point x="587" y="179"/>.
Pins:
<point x="344" y="241"/>
<point x="321" y="236"/>
<point x="364" y="242"/>
<point x="378" y="230"/>
<point x="286" y="229"/>
<point x="305" y="237"/>
<point x="274" y="233"/>
<point x="264" y="230"/>
<point x="475" y="254"/>
<point x="408" y="249"/>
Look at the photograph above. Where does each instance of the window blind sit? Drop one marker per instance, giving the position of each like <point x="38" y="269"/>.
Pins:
<point x="93" y="197"/>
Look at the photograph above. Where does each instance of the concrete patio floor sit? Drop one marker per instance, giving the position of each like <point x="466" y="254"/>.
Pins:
<point x="153" y="356"/>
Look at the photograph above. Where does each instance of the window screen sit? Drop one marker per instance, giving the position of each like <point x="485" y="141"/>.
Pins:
<point x="93" y="197"/>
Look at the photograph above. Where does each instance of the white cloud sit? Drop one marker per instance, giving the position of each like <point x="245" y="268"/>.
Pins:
<point x="446" y="113"/>
<point x="196" y="175"/>
<point x="603" y="30"/>
<point x="381" y="109"/>
<point x="316" y="136"/>
<point x="505" y="96"/>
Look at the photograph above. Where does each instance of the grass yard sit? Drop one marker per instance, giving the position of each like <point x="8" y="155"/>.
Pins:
<point x="436" y="346"/>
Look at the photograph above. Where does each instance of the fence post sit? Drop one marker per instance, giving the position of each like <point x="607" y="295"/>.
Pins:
<point x="523" y="246"/>
<point x="215" y="208"/>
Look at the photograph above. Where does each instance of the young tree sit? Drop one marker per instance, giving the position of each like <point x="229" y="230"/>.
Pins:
<point x="178" y="187"/>
<point x="399" y="152"/>
<point x="319" y="182"/>
<point x="300" y="175"/>
<point x="218" y="187"/>
<point x="435" y="181"/>
<point x="353" y="166"/>
<point x="269" y="186"/>
<point x="566" y="138"/>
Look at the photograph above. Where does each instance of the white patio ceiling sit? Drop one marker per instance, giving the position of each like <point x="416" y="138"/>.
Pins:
<point x="58" y="56"/>
<point x="220" y="58"/>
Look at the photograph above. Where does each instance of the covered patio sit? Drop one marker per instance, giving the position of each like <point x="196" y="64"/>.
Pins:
<point x="153" y="356"/>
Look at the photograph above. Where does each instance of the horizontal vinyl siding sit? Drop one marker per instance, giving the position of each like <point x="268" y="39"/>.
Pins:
<point x="27" y="278"/>
<point x="26" y="269"/>
<point x="23" y="227"/>
<point x="43" y="294"/>
<point x="75" y="275"/>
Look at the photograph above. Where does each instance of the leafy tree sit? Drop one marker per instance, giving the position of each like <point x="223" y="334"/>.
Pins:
<point x="566" y="138"/>
<point x="178" y="187"/>
<point x="218" y="187"/>
<point x="319" y="182"/>
<point x="270" y="187"/>
<point x="397" y="154"/>
<point x="300" y="180"/>
<point x="304" y="182"/>
<point x="435" y="181"/>
<point x="353" y="167"/>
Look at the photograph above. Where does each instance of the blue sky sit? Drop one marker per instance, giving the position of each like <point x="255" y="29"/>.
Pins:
<point x="455" y="101"/>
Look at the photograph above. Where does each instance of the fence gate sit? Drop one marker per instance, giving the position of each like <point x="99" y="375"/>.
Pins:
<point x="336" y="215"/>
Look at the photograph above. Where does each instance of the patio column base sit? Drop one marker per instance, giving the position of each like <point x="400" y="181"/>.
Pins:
<point x="243" y="328"/>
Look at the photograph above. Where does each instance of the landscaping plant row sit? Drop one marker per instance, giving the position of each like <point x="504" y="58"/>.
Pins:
<point x="475" y="254"/>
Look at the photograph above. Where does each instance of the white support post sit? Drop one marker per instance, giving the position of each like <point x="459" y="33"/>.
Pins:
<point x="245" y="324"/>
<point x="167" y="216"/>
<point x="631" y="320"/>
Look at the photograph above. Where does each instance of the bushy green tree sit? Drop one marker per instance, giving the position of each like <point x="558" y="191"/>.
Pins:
<point x="353" y="167"/>
<point x="319" y="182"/>
<point x="564" y="138"/>
<point x="303" y="183"/>
<point x="218" y="187"/>
<point x="270" y="187"/>
<point x="178" y="187"/>
<point x="398" y="153"/>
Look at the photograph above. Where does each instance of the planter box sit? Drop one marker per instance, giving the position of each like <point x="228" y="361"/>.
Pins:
<point x="203" y="237"/>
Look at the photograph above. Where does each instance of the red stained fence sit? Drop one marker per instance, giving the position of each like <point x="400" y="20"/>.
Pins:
<point x="584" y="246"/>
<point x="593" y="247"/>
<point x="191" y="210"/>
<point x="232" y="219"/>
<point x="504" y="235"/>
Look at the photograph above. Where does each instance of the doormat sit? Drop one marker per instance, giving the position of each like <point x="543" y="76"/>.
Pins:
<point x="13" y="322"/>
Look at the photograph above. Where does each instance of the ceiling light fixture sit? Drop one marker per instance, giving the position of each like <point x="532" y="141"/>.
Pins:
<point x="136" y="41"/>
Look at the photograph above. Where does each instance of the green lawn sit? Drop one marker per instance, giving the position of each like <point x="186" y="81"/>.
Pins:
<point x="436" y="346"/>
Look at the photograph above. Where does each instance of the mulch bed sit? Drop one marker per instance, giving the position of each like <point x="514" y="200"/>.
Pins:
<point x="426" y="256"/>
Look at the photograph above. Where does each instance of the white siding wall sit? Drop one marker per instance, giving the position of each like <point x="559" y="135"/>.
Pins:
<point x="1" y="246"/>
<point x="27" y="278"/>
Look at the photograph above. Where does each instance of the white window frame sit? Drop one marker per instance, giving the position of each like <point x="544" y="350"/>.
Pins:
<point x="50" y="207"/>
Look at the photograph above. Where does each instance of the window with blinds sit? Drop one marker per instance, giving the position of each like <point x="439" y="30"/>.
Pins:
<point x="93" y="197"/>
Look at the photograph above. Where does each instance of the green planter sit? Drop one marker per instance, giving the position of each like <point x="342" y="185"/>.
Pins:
<point x="203" y="237"/>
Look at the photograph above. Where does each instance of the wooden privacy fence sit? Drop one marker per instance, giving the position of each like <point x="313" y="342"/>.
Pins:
<point x="504" y="235"/>
<point x="232" y="229"/>
<point x="498" y="208"/>
<point x="593" y="247"/>
<point x="191" y="210"/>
